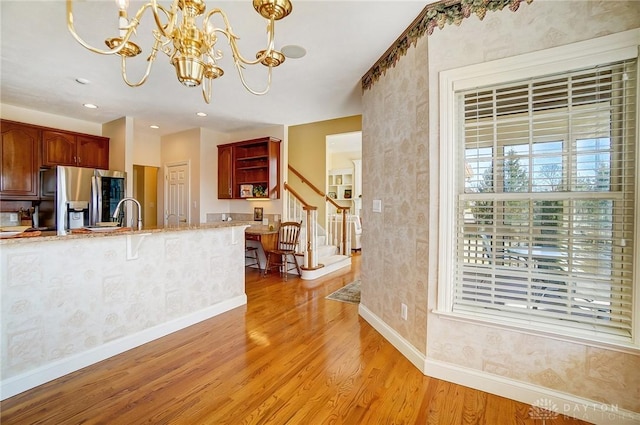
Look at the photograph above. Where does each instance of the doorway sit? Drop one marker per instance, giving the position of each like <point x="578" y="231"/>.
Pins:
<point x="344" y="170"/>
<point x="176" y="195"/>
<point x="145" y="190"/>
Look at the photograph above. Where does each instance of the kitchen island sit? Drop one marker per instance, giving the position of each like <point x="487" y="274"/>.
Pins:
<point x="71" y="301"/>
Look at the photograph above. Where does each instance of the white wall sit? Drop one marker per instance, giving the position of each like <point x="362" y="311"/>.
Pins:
<point x="116" y="131"/>
<point x="209" y="202"/>
<point x="29" y="116"/>
<point x="147" y="149"/>
<point x="343" y="159"/>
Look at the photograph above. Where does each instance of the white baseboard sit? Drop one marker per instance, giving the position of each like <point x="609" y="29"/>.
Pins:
<point x="534" y="395"/>
<point x="407" y="350"/>
<point x="25" y="381"/>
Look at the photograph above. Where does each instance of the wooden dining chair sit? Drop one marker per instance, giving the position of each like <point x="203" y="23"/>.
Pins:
<point x="251" y="254"/>
<point x="284" y="255"/>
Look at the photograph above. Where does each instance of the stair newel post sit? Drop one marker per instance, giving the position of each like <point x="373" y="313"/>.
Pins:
<point x="312" y="237"/>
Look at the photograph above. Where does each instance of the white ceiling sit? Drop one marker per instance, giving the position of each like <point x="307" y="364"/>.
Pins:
<point x="344" y="142"/>
<point x="343" y="39"/>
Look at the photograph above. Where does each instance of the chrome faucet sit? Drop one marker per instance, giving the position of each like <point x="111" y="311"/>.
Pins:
<point x="117" y="211"/>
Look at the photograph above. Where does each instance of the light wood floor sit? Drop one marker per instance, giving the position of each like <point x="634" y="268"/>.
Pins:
<point x="288" y="357"/>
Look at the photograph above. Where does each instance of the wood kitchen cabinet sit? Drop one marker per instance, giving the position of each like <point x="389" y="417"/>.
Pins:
<point x="19" y="161"/>
<point x="253" y="170"/>
<point x="93" y="151"/>
<point x="72" y="149"/>
<point x="27" y="147"/>
<point x="225" y="172"/>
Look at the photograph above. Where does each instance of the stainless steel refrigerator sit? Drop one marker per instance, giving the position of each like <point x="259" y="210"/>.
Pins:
<point x="82" y="196"/>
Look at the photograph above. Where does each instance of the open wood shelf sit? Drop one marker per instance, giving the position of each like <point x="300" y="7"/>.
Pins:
<point x="253" y="162"/>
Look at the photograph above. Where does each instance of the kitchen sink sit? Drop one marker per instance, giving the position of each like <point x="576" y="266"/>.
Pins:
<point x="104" y="228"/>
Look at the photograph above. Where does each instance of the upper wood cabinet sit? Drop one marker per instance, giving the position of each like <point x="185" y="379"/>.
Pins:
<point x="79" y="150"/>
<point x="225" y="172"/>
<point x="254" y="169"/>
<point x="58" y="148"/>
<point x="19" y="161"/>
<point x="26" y="147"/>
<point x="93" y="151"/>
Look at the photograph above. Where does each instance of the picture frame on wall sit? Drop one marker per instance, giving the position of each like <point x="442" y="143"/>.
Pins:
<point x="347" y="194"/>
<point x="257" y="214"/>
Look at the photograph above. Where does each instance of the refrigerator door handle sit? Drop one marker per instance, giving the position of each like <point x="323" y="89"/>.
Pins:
<point x="96" y="200"/>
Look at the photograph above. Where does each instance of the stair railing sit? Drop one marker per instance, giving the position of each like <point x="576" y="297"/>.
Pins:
<point x="344" y="240"/>
<point x="309" y="218"/>
<point x="339" y="231"/>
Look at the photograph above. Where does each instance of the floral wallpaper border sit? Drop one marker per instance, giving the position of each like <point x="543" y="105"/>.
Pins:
<point x="432" y="16"/>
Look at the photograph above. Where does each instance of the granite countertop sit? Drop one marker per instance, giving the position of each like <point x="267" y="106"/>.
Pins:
<point x="86" y="233"/>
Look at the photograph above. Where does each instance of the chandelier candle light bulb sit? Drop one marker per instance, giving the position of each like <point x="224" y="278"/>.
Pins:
<point x="191" y="51"/>
<point x="123" y="22"/>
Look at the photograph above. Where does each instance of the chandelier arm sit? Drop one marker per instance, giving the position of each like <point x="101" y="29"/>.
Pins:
<point x="87" y="46"/>
<point x="232" y="38"/>
<point x="246" y="86"/>
<point x="267" y="51"/>
<point x="219" y="11"/>
<point x="171" y="16"/>
<point x="130" y="30"/>
<point x="150" y="59"/>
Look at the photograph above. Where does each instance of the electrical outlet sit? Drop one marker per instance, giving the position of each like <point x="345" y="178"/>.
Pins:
<point x="404" y="311"/>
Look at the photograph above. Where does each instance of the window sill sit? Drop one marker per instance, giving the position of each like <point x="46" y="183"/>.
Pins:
<point x="542" y="330"/>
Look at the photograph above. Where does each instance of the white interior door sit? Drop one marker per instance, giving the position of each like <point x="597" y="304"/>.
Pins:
<point x="176" y="200"/>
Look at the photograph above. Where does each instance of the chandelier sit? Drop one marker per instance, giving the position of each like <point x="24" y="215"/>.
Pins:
<point x="191" y="50"/>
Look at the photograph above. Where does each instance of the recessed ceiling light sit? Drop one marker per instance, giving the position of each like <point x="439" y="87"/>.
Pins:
<point x="293" y="51"/>
<point x="154" y="126"/>
<point x="90" y="106"/>
<point x="201" y="114"/>
<point x="82" y="81"/>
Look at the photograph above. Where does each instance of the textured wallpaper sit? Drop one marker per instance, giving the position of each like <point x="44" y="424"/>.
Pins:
<point x="395" y="263"/>
<point x="400" y="167"/>
<point x="64" y="297"/>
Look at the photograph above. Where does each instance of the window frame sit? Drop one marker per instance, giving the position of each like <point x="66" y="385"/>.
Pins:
<point x="611" y="48"/>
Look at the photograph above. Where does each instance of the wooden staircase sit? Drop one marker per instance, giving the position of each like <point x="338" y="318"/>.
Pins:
<point x="317" y="257"/>
<point x="330" y="257"/>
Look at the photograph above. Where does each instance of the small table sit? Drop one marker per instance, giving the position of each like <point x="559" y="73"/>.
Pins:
<point x="538" y="254"/>
<point x="266" y="238"/>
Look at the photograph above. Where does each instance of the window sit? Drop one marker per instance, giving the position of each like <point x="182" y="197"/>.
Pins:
<point x="543" y="211"/>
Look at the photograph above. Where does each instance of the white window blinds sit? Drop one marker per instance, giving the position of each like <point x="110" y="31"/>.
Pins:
<point x="545" y="207"/>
